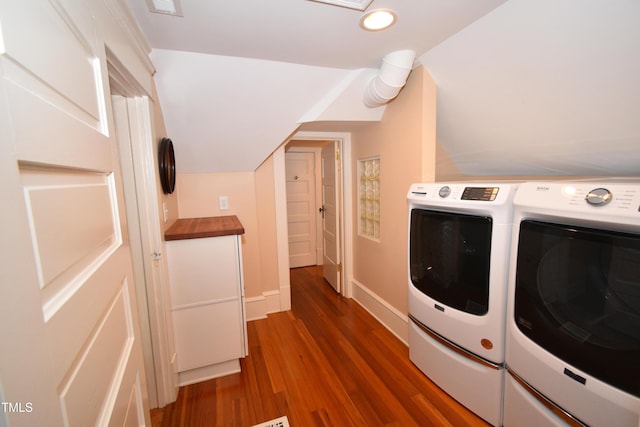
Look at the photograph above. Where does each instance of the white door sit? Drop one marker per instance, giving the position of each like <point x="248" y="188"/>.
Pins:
<point x="71" y="353"/>
<point x="331" y="214"/>
<point x="301" y="208"/>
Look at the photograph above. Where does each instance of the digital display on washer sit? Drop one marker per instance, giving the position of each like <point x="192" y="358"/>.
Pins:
<point x="484" y="194"/>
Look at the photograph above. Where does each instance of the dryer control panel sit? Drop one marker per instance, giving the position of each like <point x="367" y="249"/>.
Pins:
<point x="585" y="197"/>
<point x="598" y="197"/>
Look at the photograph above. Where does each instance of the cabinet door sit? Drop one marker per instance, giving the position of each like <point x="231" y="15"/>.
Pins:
<point x="203" y="270"/>
<point x="208" y="334"/>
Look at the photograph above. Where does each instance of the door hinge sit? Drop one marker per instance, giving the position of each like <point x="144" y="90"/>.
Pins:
<point x="337" y="155"/>
<point x="339" y="268"/>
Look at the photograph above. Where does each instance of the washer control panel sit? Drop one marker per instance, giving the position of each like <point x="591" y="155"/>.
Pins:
<point x="460" y="191"/>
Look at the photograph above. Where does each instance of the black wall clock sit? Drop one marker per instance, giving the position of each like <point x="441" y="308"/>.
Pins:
<point x="167" y="164"/>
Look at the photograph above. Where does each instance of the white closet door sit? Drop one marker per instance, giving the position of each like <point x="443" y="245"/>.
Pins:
<point x="301" y="208"/>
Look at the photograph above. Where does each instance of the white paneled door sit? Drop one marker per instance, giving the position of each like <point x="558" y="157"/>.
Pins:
<point x="70" y="353"/>
<point x="301" y="208"/>
<point x="331" y="214"/>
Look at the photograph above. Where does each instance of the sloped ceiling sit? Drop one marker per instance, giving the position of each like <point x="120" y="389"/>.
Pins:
<point x="529" y="88"/>
<point x="227" y="114"/>
<point x="542" y="88"/>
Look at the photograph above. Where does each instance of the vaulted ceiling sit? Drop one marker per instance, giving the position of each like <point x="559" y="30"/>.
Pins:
<point x="524" y="87"/>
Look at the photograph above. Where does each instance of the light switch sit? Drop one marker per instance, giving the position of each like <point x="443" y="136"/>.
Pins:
<point x="224" y="203"/>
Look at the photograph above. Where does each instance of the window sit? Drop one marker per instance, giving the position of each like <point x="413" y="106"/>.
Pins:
<point x="369" y="196"/>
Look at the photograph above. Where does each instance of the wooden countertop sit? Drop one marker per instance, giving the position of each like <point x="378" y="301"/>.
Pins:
<point x="197" y="228"/>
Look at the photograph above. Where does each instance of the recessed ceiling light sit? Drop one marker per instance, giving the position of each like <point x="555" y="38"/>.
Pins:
<point x="378" y="19"/>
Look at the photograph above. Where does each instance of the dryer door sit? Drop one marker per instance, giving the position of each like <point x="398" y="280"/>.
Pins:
<point x="578" y="296"/>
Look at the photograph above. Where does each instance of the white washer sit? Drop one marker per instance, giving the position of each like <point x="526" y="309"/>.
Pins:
<point x="573" y="318"/>
<point x="459" y="240"/>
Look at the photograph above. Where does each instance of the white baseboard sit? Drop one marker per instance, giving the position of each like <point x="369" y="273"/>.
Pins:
<point x="259" y="307"/>
<point x="255" y="308"/>
<point x="272" y="301"/>
<point x="284" y="297"/>
<point x="208" y="372"/>
<point x="392" y="319"/>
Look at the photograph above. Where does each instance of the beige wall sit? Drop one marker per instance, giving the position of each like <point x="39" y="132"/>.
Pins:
<point x="251" y="200"/>
<point x="405" y="141"/>
<point x="266" y="212"/>
<point x="165" y="201"/>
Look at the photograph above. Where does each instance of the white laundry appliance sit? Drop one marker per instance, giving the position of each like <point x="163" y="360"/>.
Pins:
<point x="459" y="240"/>
<point x="573" y="319"/>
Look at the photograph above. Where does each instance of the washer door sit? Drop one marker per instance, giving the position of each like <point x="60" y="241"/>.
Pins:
<point x="449" y="258"/>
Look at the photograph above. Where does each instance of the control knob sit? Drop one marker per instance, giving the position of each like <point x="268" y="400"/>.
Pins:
<point x="599" y="197"/>
<point x="444" y="191"/>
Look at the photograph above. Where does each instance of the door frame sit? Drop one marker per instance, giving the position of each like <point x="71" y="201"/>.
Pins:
<point x="346" y="225"/>
<point x="156" y="334"/>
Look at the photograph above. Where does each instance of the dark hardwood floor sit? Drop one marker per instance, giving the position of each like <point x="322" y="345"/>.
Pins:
<point x="327" y="362"/>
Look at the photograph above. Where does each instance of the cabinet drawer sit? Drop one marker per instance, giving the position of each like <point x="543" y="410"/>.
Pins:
<point x="202" y="270"/>
<point x="208" y="334"/>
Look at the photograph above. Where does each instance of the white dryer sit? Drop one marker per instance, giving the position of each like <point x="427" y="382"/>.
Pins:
<point x="573" y="320"/>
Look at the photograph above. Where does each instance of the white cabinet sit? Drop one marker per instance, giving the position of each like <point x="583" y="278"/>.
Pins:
<point x="207" y="304"/>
